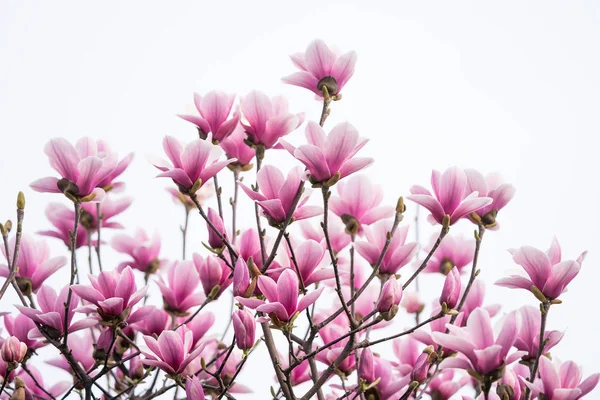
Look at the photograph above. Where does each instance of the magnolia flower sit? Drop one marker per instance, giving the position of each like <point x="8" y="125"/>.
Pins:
<point x="213" y="272"/>
<point x="63" y="219"/>
<point x="358" y="203"/>
<point x="398" y="253"/>
<point x="308" y="256"/>
<point x="546" y="271"/>
<point x="267" y="120"/>
<point x="419" y="372"/>
<point x="319" y="67"/>
<point x="20" y="326"/>
<point x="172" y="352"/>
<point x="478" y="349"/>
<point x="528" y="339"/>
<point x="180" y="290"/>
<point x="391" y="294"/>
<point x="475" y="300"/>
<point x="443" y="386"/>
<point x="425" y="333"/>
<point x="199" y="325"/>
<point x="142" y="249"/>
<point x="82" y="350"/>
<point x="451" y="196"/>
<point x="299" y="374"/>
<point x="156" y="321"/>
<point x="34" y="263"/>
<point x="51" y="313"/>
<point x="338" y="237"/>
<point x="562" y="381"/>
<point x="235" y="147"/>
<point x="492" y="187"/>
<point x="191" y="166"/>
<point x="13" y="350"/>
<point x="277" y="194"/>
<point x="112" y="294"/>
<point x="282" y="296"/>
<point x="366" y="367"/>
<point x="454" y="251"/>
<point x="214" y="109"/>
<point x="330" y="332"/>
<point x="83" y="169"/>
<point x="326" y="156"/>
<point x="244" y="327"/>
<point x="412" y="303"/>
<point x="193" y="388"/>
<point x="214" y="239"/>
<point x="377" y="373"/>
<point x="34" y="382"/>
<point x="451" y="291"/>
<point x="109" y="208"/>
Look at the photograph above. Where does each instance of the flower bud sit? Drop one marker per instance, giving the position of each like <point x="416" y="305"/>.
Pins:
<point x="241" y="278"/>
<point x="419" y="372"/>
<point x="214" y="240"/>
<point x="391" y="294"/>
<point x="366" y="366"/>
<point x="193" y="388"/>
<point x="244" y="327"/>
<point x="451" y="290"/>
<point x="13" y="350"/>
<point x="412" y="303"/>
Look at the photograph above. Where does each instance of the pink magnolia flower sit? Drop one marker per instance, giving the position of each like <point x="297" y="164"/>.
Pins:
<point x="377" y="371"/>
<point x="180" y="290"/>
<point x="412" y="303"/>
<point x="199" y="325"/>
<point x="109" y="208"/>
<point x="407" y="351"/>
<point x="63" y="220"/>
<point x="320" y="66"/>
<point x="528" y="339"/>
<point x="282" y="296"/>
<point x="112" y="294"/>
<point x="235" y="147"/>
<point x="20" y="326"/>
<point x="337" y="235"/>
<point x="13" y="350"/>
<point x="212" y="272"/>
<point x="327" y="155"/>
<point x="206" y="191"/>
<point x="197" y="162"/>
<point x="142" y="249"/>
<point x="475" y="300"/>
<point x="425" y="333"/>
<point x="490" y="186"/>
<point x="443" y="386"/>
<point x="241" y="279"/>
<point x="82" y="349"/>
<point x="309" y="255"/>
<point x="391" y="294"/>
<point x="546" y="271"/>
<point x="419" y="372"/>
<point x="34" y="263"/>
<point x="83" y="169"/>
<point x="562" y="381"/>
<point x="451" y="196"/>
<point x="478" y="349"/>
<point x="451" y="291"/>
<point x="214" y="240"/>
<point x="267" y="120"/>
<point x="172" y="352"/>
<point x="366" y="366"/>
<point x="214" y="109"/>
<point x="155" y="322"/>
<point x="298" y="375"/>
<point x="398" y="253"/>
<point x="454" y="251"/>
<point x="329" y="333"/>
<point x="358" y="203"/>
<point x="193" y="388"/>
<point x="51" y="313"/>
<point x="277" y="194"/>
<point x="36" y="378"/>
<point x="244" y="327"/>
<point x="513" y="379"/>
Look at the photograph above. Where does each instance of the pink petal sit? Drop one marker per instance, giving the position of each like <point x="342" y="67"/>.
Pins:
<point x="314" y="160"/>
<point x="309" y="299"/>
<point x="173" y="149"/>
<point x="179" y="176"/>
<point x="343" y="68"/>
<point x="340" y="142"/>
<point x="257" y="109"/>
<point x="467" y="206"/>
<point x="287" y="290"/>
<point x="354" y="165"/>
<point x="88" y="293"/>
<point x="515" y="282"/>
<point x="270" y="180"/>
<point x="194" y="158"/>
<point x="63" y="158"/>
<point x="319" y="59"/>
<point x="430" y="203"/>
<point x="215" y="106"/>
<point x="268" y="287"/>
<point x="274" y="209"/>
<point x="45" y="185"/>
<point x="535" y="263"/>
<point x="276" y="308"/>
<point x="303" y="79"/>
<point x="479" y="327"/>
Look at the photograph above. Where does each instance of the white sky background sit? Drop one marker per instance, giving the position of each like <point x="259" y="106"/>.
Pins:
<point x="509" y="86"/>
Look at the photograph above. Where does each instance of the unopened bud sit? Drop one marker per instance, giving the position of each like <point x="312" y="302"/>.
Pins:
<point x="21" y="201"/>
<point x="446" y="222"/>
<point x="400" y="206"/>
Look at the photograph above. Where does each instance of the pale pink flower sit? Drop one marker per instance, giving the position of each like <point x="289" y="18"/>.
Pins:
<point x="142" y="249"/>
<point x="172" y="352"/>
<point x="562" y="381"/>
<point x="235" y="147"/>
<point x="398" y="253"/>
<point x="358" y="203"/>
<point x="546" y="271"/>
<point x="103" y="149"/>
<point x="267" y="120"/>
<point x="277" y="194"/>
<point x="309" y="255"/>
<point x="454" y="251"/>
<point x="112" y="294"/>
<point x="214" y="240"/>
<point x="513" y="378"/>
<point x="490" y="186"/>
<point x="329" y="333"/>
<point x="34" y="263"/>
<point x="528" y="339"/>
<point x="391" y="294"/>
<point x="193" y="388"/>
<point x="244" y="327"/>
<point x="282" y="296"/>
<point x="475" y="300"/>
<point x="320" y="66"/>
<point x="478" y="349"/>
<point x="421" y="368"/>
<point x="451" y="290"/>
<point x="212" y="272"/>
<point x="443" y="386"/>
<point x="51" y="313"/>
<point x="206" y="191"/>
<point x="63" y="219"/>
<point x="180" y="289"/>
<point x="13" y="350"/>
<point x="20" y="326"/>
<point x="31" y="383"/>
<point x="199" y="325"/>
<point x="82" y="350"/>
<point x="241" y="278"/>
<point x="377" y="370"/>
<point x="337" y="235"/>
<point x="327" y="155"/>
<point x="451" y="196"/>
<point x="214" y="109"/>
<point x="156" y="321"/>
<point x="83" y="168"/>
<point x="366" y="366"/>
<point x="425" y="333"/>
<point x="197" y="162"/>
<point x="412" y="303"/>
<point x="109" y="208"/>
<point x="298" y="375"/>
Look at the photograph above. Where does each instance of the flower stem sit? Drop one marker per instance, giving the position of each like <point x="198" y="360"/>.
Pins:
<point x="544" y="309"/>
<point x="77" y="208"/>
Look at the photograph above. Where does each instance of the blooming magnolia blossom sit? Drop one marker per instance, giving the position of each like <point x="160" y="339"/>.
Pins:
<point x="83" y="169"/>
<point x="443" y="385"/>
<point x="156" y="321"/>
<point x="391" y="294"/>
<point x="13" y="350"/>
<point x="528" y="339"/>
<point x="277" y="194"/>
<point x="377" y="372"/>
<point x="327" y="155"/>
<point x="492" y="187"/>
<point x="320" y="66"/>
<point x="82" y="350"/>
<point x="109" y="208"/>
<point x="172" y="351"/>
<point x="142" y="249"/>
<point x="236" y="147"/>
<point x="34" y="263"/>
<point x="244" y="326"/>
<point x="267" y="120"/>
<point x="20" y="326"/>
<point x="214" y="109"/>
<point x="213" y="272"/>
<point x="193" y="388"/>
<point x="358" y="203"/>
<point x="546" y="271"/>
<point x="337" y="235"/>
<point x="398" y="254"/>
<point x="197" y="162"/>
<point x="450" y="196"/>
<point x="308" y="256"/>
<point x="282" y="296"/>
<point x="454" y="251"/>
<point x="63" y="219"/>
<point x="561" y="381"/>
<point x="179" y="291"/>
<point x="34" y="382"/>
